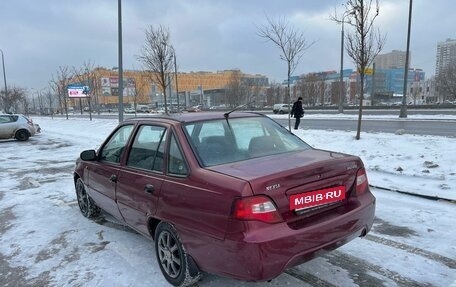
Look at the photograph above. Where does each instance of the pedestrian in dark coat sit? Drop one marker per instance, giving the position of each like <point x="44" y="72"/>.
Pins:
<point x="297" y="112"/>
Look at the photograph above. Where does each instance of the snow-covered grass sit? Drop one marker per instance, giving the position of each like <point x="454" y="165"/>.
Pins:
<point x="410" y="163"/>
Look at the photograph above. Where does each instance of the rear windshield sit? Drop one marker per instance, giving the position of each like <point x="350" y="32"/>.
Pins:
<point x="223" y="141"/>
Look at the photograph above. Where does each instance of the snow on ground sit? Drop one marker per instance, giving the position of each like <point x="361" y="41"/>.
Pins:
<point x="60" y="247"/>
<point x="409" y="163"/>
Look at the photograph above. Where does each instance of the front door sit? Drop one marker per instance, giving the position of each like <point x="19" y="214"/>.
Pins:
<point x="104" y="173"/>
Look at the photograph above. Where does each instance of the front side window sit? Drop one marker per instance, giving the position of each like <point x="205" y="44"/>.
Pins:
<point x="145" y="152"/>
<point x="112" y="151"/>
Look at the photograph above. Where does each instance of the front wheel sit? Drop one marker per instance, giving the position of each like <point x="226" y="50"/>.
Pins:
<point x="177" y="267"/>
<point x="88" y="208"/>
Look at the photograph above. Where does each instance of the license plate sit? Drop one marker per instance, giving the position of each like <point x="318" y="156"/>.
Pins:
<point x="317" y="197"/>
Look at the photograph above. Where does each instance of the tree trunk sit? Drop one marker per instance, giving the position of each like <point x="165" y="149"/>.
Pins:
<point x="361" y="99"/>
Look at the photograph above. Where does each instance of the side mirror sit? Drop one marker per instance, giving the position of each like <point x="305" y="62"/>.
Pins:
<point x="89" y="155"/>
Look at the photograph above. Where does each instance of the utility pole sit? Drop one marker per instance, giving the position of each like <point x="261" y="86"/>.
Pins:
<point x="120" y="62"/>
<point x="373" y="84"/>
<point x="403" y="113"/>
<point x="4" y="74"/>
<point x="175" y="75"/>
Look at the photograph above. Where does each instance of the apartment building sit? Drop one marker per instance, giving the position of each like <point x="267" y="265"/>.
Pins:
<point x="446" y="54"/>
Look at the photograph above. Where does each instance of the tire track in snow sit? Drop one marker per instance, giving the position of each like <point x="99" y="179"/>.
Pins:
<point x="451" y="263"/>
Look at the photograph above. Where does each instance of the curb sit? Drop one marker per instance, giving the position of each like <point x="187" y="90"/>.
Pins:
<point x="414" y="194"/>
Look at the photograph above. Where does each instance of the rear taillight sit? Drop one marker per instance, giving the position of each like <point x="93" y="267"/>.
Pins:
<point x="361" y="181"/>
<point x="259" y="208"/>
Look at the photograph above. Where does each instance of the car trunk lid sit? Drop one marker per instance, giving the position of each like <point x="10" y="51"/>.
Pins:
<point x="300" y="183"/>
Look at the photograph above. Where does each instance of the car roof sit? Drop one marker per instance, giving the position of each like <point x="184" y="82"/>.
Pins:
<point x="194" y="117"/>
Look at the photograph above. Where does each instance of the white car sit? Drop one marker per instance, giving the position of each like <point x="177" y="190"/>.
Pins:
<point x="16" y="126"/>
<point x="281" y="109"/>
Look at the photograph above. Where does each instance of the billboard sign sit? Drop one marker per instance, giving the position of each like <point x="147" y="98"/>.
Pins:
<point x="78" y="91"/>
<point x="110" y="86"/>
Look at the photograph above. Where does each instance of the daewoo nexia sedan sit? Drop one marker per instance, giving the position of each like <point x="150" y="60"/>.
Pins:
<point x="232" y="194"/>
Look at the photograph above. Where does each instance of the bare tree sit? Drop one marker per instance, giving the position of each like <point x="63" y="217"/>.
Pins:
<point x="25" y="102"/>
<point x="312" y="87"/>
<point x="292" y="44"/>
<point x="50" y="99"/>
<point x="13" y="100"/>
<point x="61" y="85"/>
<point x="139" y="92"/>
<point x="87" y="76"/>
<point x="236" y="90"/>
<point x="41" y="101"/>
<point x="4" y="101"/>
<point x="364" y="43"/>
<point x="157" y="56"/>
<point x="446" y="81"/>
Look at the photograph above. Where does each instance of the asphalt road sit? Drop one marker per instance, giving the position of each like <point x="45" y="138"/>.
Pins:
<point x="411" y="126"/>
<point x="418" y="127"/>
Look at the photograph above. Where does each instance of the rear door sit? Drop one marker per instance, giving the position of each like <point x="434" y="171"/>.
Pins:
<point x="139" y="183"/>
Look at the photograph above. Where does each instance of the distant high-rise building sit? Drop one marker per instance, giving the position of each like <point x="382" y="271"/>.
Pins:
<point x="392" y="60"/>
<point x="446" y="54"/>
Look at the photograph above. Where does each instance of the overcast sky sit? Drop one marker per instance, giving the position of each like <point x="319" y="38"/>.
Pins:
<point x="209" y="35"/>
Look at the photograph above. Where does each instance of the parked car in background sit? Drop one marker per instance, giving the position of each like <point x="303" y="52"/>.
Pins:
<point x="129" y="111"/>
<point x="194" y="109"/>
<point x="233" y="194"/>
<point x="281" y="109"/>
<point x="16" y="126"/>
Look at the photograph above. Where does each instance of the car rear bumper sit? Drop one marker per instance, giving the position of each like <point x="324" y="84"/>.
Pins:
<point x="264" y="251"/>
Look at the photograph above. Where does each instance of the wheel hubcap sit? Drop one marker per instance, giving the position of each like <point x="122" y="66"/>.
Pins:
<point x="82" y="198"/>
<point x="168" y="252"/>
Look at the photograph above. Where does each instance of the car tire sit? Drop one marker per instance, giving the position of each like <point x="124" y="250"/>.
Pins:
<point x="177" y="266"/>
<point x="281" y="112"/>
<point x="86" y="204"/>
<point x="22" y="135"/>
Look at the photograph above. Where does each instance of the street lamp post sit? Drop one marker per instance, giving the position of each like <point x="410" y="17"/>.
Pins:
<point x="341" y="80"/>
<point x="403" y="112"/>
<point x="175" y="75"/>
<point x="4" y="73"/>
<point x="119" y="10"/>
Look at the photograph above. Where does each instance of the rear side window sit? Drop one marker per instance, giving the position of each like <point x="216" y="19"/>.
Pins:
<point x="176" y="162"/>
<point x="7" y="119"/>
<point x="112" y="151"/>
<point x="4" y="120"/>
<point x="146" y="152"/>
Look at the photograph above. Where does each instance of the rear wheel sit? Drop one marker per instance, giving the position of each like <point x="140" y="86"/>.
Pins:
<point x="22" y="135"/>
<point x="177" y="266"/>
<point x="88" y="208"/>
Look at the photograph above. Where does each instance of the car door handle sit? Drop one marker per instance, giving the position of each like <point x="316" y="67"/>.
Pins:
<point x="113" y="178"/>
<point x="149" y="188"/>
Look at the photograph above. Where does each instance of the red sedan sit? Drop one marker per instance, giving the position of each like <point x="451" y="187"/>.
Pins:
<point x="232" y="194"/>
